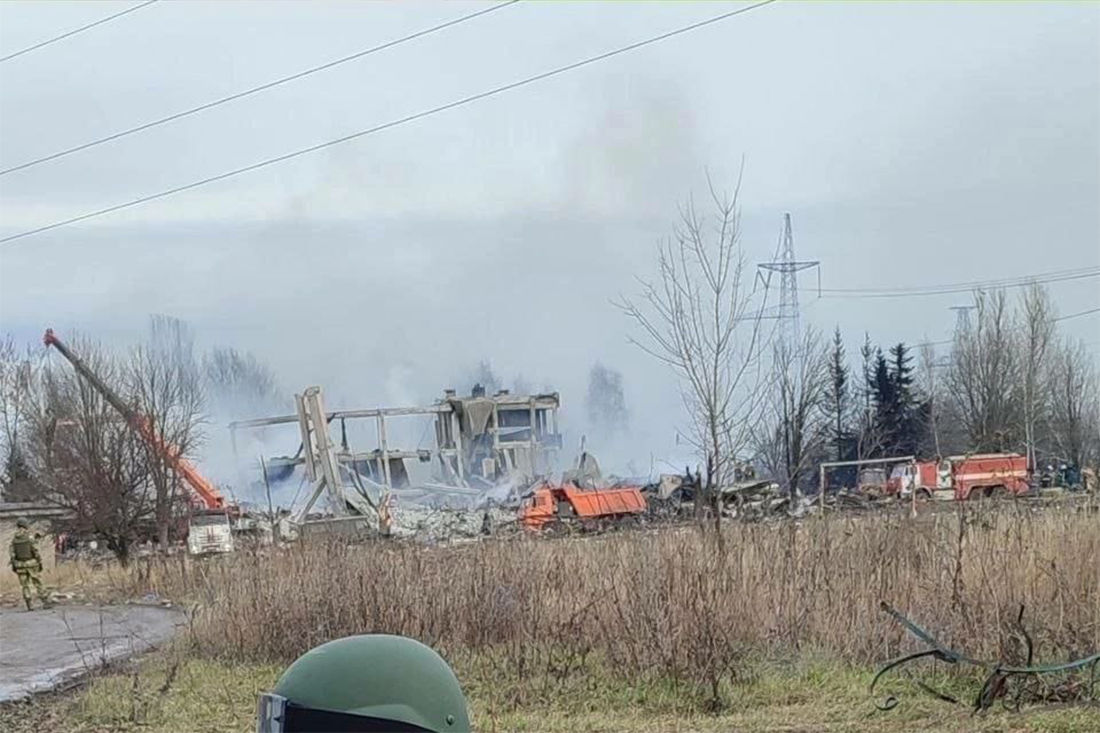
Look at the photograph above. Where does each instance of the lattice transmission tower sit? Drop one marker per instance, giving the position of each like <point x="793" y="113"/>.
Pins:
<point x="786" y="311"/>
<point x="962" y="317"/>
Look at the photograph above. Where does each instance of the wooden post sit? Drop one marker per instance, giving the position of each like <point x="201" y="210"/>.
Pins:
<point x="456" y="426"/>
<point x="913" y="500"/>
<point x="385" y="450"/>
<point x="821" y="491"/>
<point x="270" y="509"/>
<point x="307" y="439"/>
<point x="534" y="457"/>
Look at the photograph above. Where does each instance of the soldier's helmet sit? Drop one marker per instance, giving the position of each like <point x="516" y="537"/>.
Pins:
<point x="374" y="682"/>
<point x="22" y="523"/>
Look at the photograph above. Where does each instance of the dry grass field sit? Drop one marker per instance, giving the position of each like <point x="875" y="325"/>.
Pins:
<point x="776" y="626"/>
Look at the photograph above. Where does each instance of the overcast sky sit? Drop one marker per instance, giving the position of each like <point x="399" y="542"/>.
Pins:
<point x="913" y="144"/>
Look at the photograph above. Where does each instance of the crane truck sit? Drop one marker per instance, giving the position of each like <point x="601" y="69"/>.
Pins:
<point x="209" y="528"/>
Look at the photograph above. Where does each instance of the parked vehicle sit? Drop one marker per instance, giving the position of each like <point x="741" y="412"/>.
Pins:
<point x="873" y="480"/>
<point x="984" y="474"/>
<point x="568" y="503"/>
<point x="210" y="532"/>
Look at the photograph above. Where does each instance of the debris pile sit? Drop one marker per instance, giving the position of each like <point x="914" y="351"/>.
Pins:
<point x="749" y="500"/>
<point x="442" y="524"/>
<point x="490" y="470"/>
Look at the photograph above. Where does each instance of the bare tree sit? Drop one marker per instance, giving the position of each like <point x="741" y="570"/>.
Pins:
<point x="87" y="457"/>
<point x="11" y="393"/>
<point x="521" y="385"/>
<point x="700" y="318"/>
<point x="984" y="372"/>
<point x="166" y="386"/>
<point x="942" y="434"/>
<point x="485" y="378"/>
<point x="1036" y="332"/>
<point x="18" y="371"/>
<point x="1073" y="404"/>
<point x="929" y="384"/>
<point x="237" y="382"/>
<point x="797" y="410"/>
<point x="605" y="401"/>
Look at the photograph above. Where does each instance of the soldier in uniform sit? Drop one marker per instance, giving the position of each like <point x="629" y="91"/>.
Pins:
<point x="27" y="563"/>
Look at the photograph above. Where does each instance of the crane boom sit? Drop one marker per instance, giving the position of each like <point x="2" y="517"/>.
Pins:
<point x="209" y="495"/>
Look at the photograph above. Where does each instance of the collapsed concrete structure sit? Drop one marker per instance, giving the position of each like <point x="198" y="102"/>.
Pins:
<point x="488" y="449"/>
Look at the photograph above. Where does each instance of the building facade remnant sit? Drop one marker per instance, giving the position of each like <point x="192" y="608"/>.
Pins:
<point x="481" y="442"/>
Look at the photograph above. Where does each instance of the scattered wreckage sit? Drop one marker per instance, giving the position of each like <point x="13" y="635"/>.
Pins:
<point x="490" y="471"/>
<point x="749" y="499"/>
<point x="489" y="465"/>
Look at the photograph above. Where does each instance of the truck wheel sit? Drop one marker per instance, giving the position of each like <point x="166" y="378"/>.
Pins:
<point x="626" y="521"/>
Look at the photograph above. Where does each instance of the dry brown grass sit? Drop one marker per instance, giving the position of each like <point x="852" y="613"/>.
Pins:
<point x="89" y="580"/>
<point x="668" y="604"/>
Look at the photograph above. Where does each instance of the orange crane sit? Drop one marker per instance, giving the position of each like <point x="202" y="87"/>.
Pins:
<point x="203" y="490"/>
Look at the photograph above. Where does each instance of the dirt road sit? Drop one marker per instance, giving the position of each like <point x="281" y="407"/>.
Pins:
<point x="44" y="649"/>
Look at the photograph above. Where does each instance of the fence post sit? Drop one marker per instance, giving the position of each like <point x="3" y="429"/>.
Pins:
<point x="913" y="500"/>
<point x="821" y="488"/>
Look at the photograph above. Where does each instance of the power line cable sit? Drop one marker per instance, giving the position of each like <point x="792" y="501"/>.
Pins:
<point x="965" y="284"/>
<point x="73" y="32"/>
<point x="1059" y="318"/>
<point x="254" y="90"/>
<point x="964" y="287"/>
<point x="1078" y="314"/>
<point x="387" y="125"/>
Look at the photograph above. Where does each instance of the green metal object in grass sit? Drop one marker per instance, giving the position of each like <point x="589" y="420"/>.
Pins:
<point x="999" y="674"/>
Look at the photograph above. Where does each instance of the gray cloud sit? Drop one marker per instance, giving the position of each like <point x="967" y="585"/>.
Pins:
<point x="912" y="143"/>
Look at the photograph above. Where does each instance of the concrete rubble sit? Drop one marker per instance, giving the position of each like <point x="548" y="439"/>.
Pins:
<point x="441" y="524"/>
<point x="438" y="512"/>
<point x="490" y="454"/>
<point x="488" y="451"/>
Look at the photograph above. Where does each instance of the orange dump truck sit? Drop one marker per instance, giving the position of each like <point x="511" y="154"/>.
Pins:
<point x="549" y="504"/>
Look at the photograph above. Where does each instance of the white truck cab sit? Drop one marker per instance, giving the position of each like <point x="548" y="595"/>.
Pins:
<point x="209" y="532"/>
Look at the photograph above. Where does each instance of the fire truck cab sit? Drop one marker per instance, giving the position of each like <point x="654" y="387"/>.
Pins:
<point x="983" y="474"/>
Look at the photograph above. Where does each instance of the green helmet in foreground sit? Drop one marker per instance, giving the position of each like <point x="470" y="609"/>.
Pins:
<point x="374" y="682"/>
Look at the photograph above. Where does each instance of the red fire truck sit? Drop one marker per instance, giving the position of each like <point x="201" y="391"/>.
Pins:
<point x="983" y="474"/>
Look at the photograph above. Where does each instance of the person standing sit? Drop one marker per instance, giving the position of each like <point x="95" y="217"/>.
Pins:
<point x="27" y="563"/>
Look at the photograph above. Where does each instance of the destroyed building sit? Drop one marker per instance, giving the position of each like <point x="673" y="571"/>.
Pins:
<point x="487" y="450"/>
<point x="482" y="438"/>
